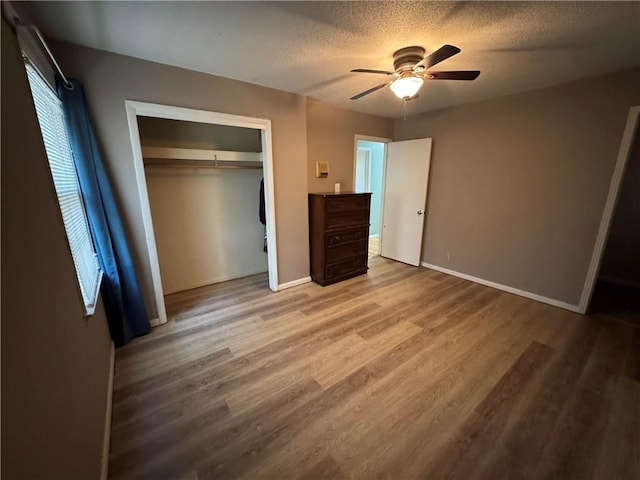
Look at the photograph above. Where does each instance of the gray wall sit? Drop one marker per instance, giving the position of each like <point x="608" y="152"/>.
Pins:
<point x="162" y="132"/>
<point x="518" y="183"/>
<point x="206" y="225"/>
<point x="621" y="259"/>
<point x="110" y="79"/>
<point x="55" y="362"/>
<point x="331" y="138"/>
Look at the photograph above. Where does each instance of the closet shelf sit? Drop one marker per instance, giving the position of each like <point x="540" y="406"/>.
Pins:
<point x="200" y="158"/>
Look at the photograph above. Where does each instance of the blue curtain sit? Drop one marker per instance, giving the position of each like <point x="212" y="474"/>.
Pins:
<point x="121" y="293"/>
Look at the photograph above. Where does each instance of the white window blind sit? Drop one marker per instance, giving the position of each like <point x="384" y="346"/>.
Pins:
<point x="65" y="179"/>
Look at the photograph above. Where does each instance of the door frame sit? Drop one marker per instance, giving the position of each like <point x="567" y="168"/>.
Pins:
<point x="135" y="109"/>
<point x="632" y="125"/>
<point x="370" y="138"/>
<point x="367" y="166"/>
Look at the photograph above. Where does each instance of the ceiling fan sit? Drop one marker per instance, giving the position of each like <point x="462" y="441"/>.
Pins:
<point x="411" y="69"/>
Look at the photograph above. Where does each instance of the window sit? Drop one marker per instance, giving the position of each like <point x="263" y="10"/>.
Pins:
<point x="65" y="180"/>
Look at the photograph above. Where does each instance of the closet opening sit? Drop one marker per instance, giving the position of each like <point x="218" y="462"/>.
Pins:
<point x="206" y="190"/>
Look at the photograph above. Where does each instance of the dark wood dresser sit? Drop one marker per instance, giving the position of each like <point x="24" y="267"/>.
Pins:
<point x="338" y="235"/>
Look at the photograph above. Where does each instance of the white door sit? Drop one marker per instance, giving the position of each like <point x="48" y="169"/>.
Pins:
<point x="405" y="198"/>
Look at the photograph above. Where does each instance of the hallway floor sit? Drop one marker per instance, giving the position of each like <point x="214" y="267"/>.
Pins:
<point x="374" y="246"/>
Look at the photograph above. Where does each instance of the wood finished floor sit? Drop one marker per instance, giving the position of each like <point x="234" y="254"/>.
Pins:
<point x="374" y="246"/>
<point x="402" y="373"/>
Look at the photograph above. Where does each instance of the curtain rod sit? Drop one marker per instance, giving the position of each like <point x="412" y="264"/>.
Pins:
<point x="34" y="29"/>
<point x="10" y="14"/>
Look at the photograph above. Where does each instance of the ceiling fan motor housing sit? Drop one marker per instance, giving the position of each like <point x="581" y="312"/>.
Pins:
<point x="406" y="58"/>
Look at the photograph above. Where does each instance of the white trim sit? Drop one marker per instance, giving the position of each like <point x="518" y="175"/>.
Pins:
<point x="270" y="204"/>
<point x="154" y="322"/>
<point x="192" y="115"/>
<point x="383" y="196"/>
<point x="132" y="113"/>
<point x="106" y="439"/>
<point x="357" y="137"/>
<point x="609" y="207"/>
<point x="370" y="138"/>
<point x="367" y="173"/>
<point x="294" y="283"/>
<point x="135" y="109"/>
<point x="505" y="288"/>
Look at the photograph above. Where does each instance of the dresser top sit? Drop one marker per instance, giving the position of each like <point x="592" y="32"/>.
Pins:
<point x="341" y="194"/>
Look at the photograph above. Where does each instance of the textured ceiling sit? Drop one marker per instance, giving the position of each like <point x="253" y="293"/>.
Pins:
<point x="309" y="47"/>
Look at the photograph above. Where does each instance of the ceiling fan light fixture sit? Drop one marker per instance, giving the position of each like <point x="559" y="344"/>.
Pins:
<point x="406" y="87"/>
<point x="411" y="68"/>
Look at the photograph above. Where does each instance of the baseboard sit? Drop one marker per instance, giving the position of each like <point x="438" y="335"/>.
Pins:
<point x="106" y="439"/>
<point x="619" y="281"/>
<point x="505" y="288"/>
<point x="294" y="283"/>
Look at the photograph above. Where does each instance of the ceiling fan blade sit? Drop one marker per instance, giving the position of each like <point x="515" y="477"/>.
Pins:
<point x="457" y="75"/>
<point x="367" y="70"/>
<point x="436" y="57"/>
<point x="371" y="90"/>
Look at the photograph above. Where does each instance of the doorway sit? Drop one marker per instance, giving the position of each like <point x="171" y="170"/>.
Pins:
<point x="625" y="155"/>
<point x="617" y="288"/>
<point x="369" y="172"/>
<point x="262" y="127"/>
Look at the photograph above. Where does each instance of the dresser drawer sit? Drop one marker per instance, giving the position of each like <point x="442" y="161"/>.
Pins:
<point x="345" y="237"/>
<point x="353" y="266"/>
<point x="345" y="251"/>
<point x="354" y="202"/>
<point x="346" y="218"/>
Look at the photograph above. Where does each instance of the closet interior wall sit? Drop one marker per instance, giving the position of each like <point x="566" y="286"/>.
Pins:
<point x="205" y="220"/>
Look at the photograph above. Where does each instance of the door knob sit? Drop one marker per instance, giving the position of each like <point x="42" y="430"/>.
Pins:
<point x="419" y="212"/>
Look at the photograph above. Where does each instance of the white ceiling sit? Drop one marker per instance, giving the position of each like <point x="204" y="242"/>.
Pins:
<point x="309" y="47"/>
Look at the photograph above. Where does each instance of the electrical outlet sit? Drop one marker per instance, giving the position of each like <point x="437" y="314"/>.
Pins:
<point x="448" y="255"/>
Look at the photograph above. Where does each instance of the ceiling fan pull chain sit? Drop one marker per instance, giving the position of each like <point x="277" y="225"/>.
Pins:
<point x="404" y="104"/>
